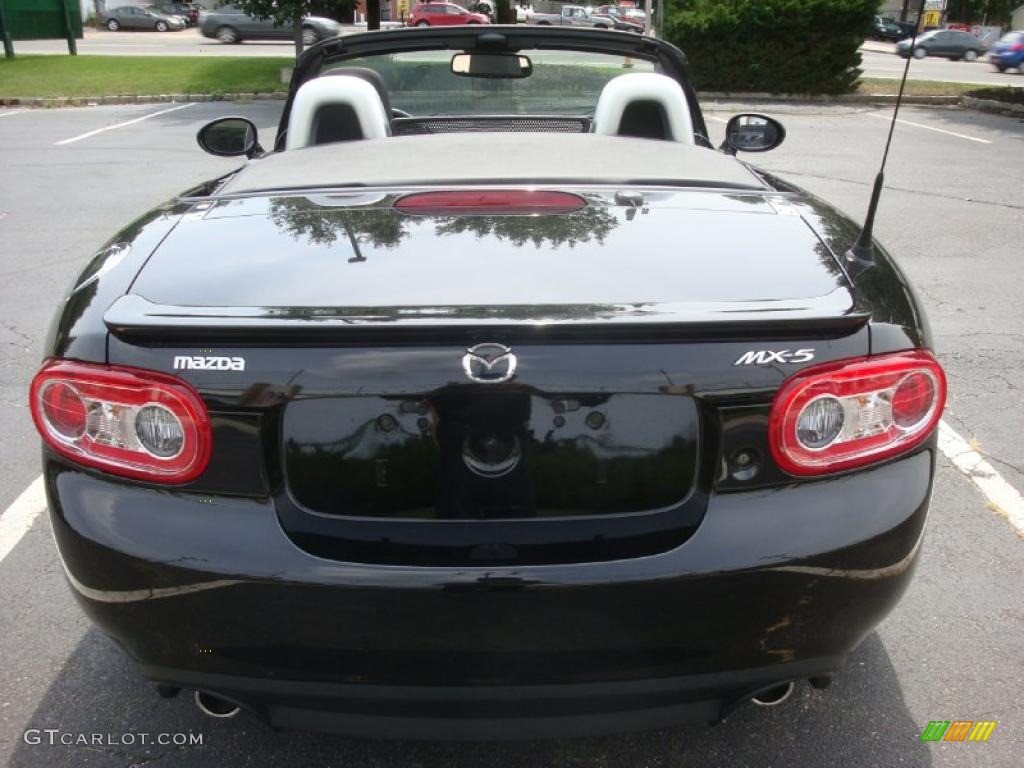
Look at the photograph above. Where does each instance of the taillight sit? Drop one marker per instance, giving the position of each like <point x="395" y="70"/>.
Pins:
<point x="490" y="201"/>
<point x="854" y="412"/>
<point x="127" y="421"/>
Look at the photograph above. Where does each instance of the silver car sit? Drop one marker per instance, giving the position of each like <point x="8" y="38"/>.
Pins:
<point x="571" y="16"/>
<point x="138" y="17"/>
<point x="232" y="25"/>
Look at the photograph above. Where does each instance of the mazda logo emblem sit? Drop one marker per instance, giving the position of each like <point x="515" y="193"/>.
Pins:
<point x="489" y="363"/>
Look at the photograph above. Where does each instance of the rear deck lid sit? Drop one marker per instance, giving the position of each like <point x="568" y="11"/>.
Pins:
<point x="354" y="259"/>
<point x="381" y="447"/>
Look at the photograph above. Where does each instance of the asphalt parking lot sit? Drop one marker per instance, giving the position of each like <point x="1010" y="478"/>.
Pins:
<point x="953" y="212"/>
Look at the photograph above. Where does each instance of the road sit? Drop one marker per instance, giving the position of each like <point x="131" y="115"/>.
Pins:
<point x="879" y="58"/>
<point x="952" y="211"/>
<point x="186" y="42"/>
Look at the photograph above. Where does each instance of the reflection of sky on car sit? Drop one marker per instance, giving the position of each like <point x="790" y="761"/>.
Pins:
<point x="562" y="83"/>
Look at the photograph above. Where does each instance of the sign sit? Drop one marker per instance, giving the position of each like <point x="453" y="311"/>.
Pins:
<point x="40" y="20"/>
<point x="932" y="18"/>
<point x="986" y="34"/>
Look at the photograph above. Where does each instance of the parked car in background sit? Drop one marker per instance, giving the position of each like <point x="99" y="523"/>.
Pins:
<point x="1008" y="52"/>
<point x="950" y="43"/>
<point x="230" y="25"/>
<point x="137" y="17"/>
<point x="623" y="21"/>
<point x="444" y="15"/>
<point x="572" y="16"/>
<point x="636" y="16"/>
<point x="883" y="29"/>
<point x="484" y="8"/>
<point x="188" y="11"/>
<point x="523" y="12"/>
<point x="908" y="28"/>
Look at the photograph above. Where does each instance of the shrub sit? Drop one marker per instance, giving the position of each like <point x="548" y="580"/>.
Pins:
<point x="772" y="46"/>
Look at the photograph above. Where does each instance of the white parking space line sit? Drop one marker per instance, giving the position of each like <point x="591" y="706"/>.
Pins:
<point x="930" y="128"/>
<point x="121" y="125"/>
<point x="1002" y="497"/>
<point x="8" y="113"/>
<point x="18" y="518"/>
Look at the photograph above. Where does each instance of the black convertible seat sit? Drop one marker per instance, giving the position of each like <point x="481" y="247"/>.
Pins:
<point x="336" y="122"/>
<point x="337" y="117"/>
<point x="645" y="120"/>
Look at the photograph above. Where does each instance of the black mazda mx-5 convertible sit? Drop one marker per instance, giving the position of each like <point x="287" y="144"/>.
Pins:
<point x="493" y="402"/>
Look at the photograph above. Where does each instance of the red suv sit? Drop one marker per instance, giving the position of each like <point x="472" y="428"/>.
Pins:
<point x="443" y="14"/>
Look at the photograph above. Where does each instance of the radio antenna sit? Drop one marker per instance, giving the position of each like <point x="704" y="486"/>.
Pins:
<point x="862" y="253"/>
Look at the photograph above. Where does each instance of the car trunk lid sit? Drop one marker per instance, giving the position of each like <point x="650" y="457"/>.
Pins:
<point x="367" y="351"/>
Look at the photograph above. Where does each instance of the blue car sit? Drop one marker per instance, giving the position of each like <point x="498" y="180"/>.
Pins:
<point x="1008" y="52"/>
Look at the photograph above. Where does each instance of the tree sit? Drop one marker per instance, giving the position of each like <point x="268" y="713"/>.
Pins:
<point x="283" y="12"/>
<point x="373" y="14"/>
<point x="291" y="13"/>
<point x="504" y="12"/>
<point x="772" y="46"/>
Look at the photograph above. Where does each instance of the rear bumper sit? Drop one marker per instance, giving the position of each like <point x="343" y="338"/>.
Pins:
<point x="506" y="713"/>
<point x="1006" y="59"/>
<point x="211" y="594"/>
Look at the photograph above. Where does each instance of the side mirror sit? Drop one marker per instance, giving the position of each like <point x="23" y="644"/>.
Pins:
<point x="752" y="133"/>
<point x="230" y="137"/>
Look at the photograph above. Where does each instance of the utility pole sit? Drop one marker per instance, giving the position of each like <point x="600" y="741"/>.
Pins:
<point x="6" y="32"/>
<point x="68" y="29"/>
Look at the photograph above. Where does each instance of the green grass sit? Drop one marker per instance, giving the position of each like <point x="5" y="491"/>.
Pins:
<point x="877" y="86"/>
<point x="46" y="76"/>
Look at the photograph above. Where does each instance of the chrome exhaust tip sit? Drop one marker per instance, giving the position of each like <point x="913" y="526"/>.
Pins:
<point x="215" y="706"/>
<point x="772" y="697"/>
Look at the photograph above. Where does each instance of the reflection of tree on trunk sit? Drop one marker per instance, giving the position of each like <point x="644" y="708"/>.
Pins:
<point x="303" y="218"/>
<point x="355" y="246"/>
<point x="386" y="228"/>
<point x="591" y="223"/>
<point x="890" y="295"/>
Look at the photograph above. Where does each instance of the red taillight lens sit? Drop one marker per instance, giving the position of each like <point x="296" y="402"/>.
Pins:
<point x="484" y="201"/>
<point x="855" y="412"/>
<point x="64" y="409"/>
<point x="126" y="421"/>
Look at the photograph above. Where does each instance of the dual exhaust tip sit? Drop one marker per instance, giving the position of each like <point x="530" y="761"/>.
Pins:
<point x="772" y="697"/>
<point x="212" y="705"/>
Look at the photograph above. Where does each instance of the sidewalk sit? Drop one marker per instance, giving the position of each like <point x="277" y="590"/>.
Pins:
<point x="878" y="46"/>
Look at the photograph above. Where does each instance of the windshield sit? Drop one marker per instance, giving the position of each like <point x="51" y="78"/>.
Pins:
<point x="562" y="83"/>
